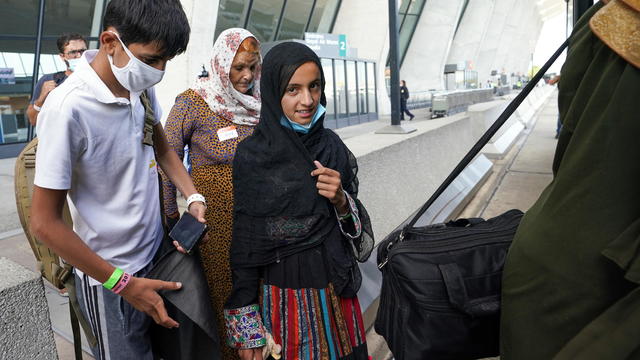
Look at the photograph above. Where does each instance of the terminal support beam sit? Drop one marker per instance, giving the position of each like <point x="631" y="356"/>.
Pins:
<point x="394" y="68"/>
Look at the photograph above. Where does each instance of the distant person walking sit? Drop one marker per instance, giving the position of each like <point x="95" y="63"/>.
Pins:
<point x="404" y="96"/>
<point x="71" y="47"/>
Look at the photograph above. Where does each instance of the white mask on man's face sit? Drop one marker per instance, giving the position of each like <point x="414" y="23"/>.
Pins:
<point x="136" y="76"/>
<point x="72" y="64"/>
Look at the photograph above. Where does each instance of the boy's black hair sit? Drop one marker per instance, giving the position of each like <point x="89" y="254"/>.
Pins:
<point x="148" y="21"/>
<point x="65" y="38"/>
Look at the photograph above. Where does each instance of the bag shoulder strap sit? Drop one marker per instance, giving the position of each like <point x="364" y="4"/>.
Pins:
<point x="149" y="119"/>
<point x="149" y="138"/>
<point x="51" y="266"/>
<point x="475" y="150"/>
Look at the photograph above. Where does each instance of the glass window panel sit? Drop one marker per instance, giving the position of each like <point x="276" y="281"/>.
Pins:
<point x="352" y="92"/>
<point x="19" y="17"/>
<point x="404" y="5"/>
<point x="327" y="68"/>
<point x="17" y="46"/>
<point x="415" y="7"/>
<point x="318" y="11"/>
<point x="77" y="14"/>
<point x="49" y="47"/>
<point x="362" y="88"/>
<point x="371" y="87"/>
<point x="406" y="33"/>
<point x="48" y="63"/>
<point x="14" y="98"/>
<point x="264" y="18"/>
<point x="323" y="16"/>
<point x="27" y="63"/>
<point x="295" y="19"/>
<point x="341" y="91"/>
<point x="13" y="61"/>
<point x="230" y="14"/>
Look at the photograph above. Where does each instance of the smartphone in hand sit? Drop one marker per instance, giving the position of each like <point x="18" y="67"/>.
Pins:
<point x="188" y="232"/>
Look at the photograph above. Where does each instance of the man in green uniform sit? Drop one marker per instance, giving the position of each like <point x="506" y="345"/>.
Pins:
<point x="570" y="287"/>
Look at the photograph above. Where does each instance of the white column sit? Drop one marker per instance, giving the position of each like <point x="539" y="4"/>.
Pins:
<point x="182" y="71"/>
<point x="472" y="32"/>
<point x="492" y="40"/>
<point x="423" y="66"/>
<point x="366" y="25"/>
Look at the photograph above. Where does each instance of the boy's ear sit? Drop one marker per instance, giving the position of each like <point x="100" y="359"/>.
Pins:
<point x="109" y="42"/>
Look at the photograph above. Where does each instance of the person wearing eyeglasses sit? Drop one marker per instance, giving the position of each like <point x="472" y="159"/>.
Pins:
<point x="71" y="47"/>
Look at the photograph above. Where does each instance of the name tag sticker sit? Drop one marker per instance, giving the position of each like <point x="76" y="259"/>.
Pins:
<point x="227" y="133"/>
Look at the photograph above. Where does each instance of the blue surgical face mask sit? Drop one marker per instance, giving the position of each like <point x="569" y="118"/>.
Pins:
<point x="72" y="64"/>
<point x="284" y="121"/>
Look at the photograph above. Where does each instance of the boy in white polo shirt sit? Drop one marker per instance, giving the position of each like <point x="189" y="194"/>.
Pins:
<point x="91" y="152"/>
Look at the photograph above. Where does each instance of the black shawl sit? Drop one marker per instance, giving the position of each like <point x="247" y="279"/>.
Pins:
<point x="278" y="211"/>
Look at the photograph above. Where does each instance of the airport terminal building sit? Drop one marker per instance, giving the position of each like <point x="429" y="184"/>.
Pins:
<point x="443" y="45"/>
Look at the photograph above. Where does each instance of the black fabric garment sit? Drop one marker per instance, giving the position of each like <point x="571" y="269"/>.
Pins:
<point x="196" y="338"/>
<point x="278" y="211"/>
<point x="404" y="93"/>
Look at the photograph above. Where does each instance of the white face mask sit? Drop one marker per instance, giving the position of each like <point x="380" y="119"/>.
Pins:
<point x="136" y="76"/>
<point x="72" y="64"/>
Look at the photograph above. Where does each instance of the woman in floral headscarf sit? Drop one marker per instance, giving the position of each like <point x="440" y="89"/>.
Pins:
<point x="210" y="119"/>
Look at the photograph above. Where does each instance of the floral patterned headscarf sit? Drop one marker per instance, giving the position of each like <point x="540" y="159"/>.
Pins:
<point x="217" y="89"/>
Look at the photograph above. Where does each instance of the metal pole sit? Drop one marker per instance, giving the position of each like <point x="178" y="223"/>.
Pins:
<point x="36" y="59"/>
<point x="566" y="27"/>
<point x="394" y="58"/>
<point x="579" y="8"/>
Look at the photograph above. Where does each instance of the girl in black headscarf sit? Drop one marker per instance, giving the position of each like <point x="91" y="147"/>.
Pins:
<point x="298" y="225"/>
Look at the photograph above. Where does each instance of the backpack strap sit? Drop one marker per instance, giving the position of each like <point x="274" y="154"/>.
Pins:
<point x="149" y="119"/>
<point x="148" y="138"/>
<point x="51" y="266"/>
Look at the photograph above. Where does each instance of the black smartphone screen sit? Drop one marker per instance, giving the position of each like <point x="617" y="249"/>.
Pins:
<point x="188" y="231"/>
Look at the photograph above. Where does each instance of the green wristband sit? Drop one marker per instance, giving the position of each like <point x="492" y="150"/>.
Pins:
<point x="113" y="279"/>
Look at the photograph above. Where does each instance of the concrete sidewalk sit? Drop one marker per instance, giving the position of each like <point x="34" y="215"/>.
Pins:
<point x="520" y="177"/>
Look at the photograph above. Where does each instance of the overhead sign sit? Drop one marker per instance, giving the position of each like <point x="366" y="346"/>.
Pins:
<point x="327" y="45"/>
<point x="7" y="76"/>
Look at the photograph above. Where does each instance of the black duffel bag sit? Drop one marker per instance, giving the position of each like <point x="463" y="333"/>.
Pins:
<point x="441" y="288"/>
<point x="441" y="284"/>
